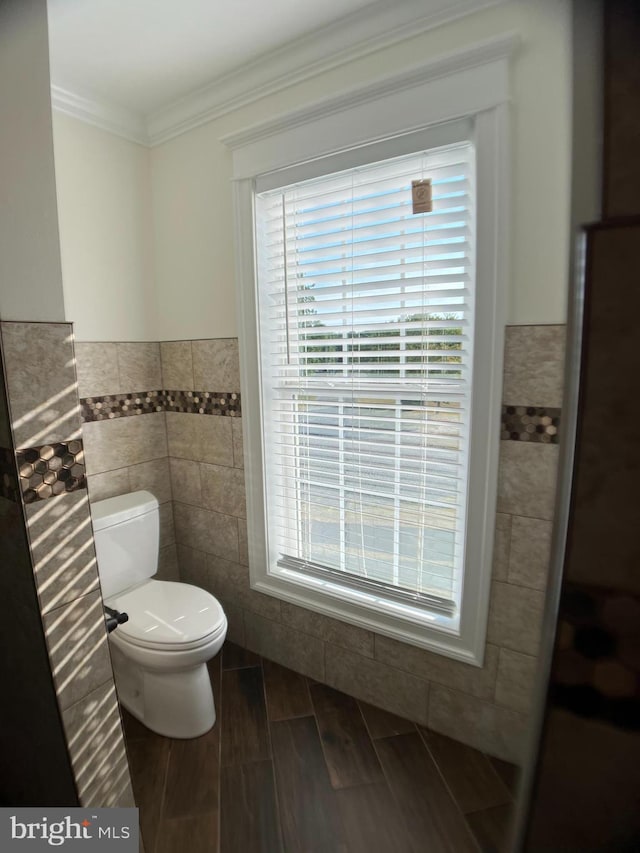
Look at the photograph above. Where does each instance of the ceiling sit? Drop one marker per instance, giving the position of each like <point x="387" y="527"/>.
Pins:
<point x="144" y="54"/>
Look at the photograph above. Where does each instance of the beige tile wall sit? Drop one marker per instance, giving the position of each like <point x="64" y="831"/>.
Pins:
<point x="486" y="707"/>
<point x="41" y="382"/>
<point x="194" y="464"/>
<point x="44" y="408"/>
<point x="128" y="454"/>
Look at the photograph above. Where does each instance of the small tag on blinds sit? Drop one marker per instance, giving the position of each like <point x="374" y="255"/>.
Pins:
<point x="421" y="196"/>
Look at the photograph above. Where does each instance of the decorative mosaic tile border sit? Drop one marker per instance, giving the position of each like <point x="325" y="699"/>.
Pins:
<point x="9" y="487"/>
<point x="147" y="402"/>
<point x="519" y="423"/>
<point x="51" y="470"/>
<point x="530" y="423"/>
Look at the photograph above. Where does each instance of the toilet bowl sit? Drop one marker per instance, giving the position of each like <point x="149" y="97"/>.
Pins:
<point x="160" y="654"/>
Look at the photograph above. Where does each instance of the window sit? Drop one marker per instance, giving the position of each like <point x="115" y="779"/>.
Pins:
<point x="366" y="332"/>
<point x="371" y="349"/>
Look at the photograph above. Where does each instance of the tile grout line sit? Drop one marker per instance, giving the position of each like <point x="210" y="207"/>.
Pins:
<point x="320" y="738"/>
<point x="454" y="799"/>
<point x="394" y="797"/>
<point x="366" y="725"/>
<point x="311" y="705"/>
<point x="276" y="792"/>
<point x="510" y="801"/>
<point x="117" y="365"/>
<point x="334" y="791"/>
<point x="443" y="780"/>
<point x="164" y="795"/>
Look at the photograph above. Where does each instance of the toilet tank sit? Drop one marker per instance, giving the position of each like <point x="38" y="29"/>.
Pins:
<point x="127" y="535"/>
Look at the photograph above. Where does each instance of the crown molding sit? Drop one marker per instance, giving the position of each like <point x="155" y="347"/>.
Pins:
<point x="350" y="38"/>
<point x="501" y="47"/>
<point x="114" y="119"/>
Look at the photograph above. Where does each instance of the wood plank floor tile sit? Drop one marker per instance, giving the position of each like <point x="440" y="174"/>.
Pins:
<point x="433" y="820"/>
<point x="244" y="730"/>
<point x="287" y="692"/>
<point x="249" y="820"/>
<point x="148" y="760"/>
<point x="133" y="728"/>
<point x="329" y="700"/>
<point x="235" y="657"/>
<point x="188" y="835"/>
<point x="192" y="776"/>
<point x="509" y="773"/>
<point x="467" y="772"/>
<point x="492" y="828"/>
<point x="399" y="788"/>
<point x="309" y="812"/>
<point x="348" y="750"/>
<point x="384" y="724"/>
<point x="372" y="821"/>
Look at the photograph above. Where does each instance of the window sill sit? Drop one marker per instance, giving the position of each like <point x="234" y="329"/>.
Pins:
<point x="435" y="632"/>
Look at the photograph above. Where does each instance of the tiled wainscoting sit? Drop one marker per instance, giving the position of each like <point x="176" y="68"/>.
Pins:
<point x="125" y="454"/>
<point x="45" y="423"/>
<point x="484" y="707"/>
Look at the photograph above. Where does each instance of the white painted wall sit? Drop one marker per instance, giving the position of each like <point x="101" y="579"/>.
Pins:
<point x="106" y="233"/>
<point x="117" y="198"/>
<point x="191" y="174"/>
<point x="193" y="216"/>
<point x="30" y="278"/>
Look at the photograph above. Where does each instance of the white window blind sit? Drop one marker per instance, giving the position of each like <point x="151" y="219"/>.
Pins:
<point x="366" y="327"/>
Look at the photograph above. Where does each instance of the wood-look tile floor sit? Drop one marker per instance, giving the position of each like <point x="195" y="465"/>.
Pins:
<point x="293" y="766"/>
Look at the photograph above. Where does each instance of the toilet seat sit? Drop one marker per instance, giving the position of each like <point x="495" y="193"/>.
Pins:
<point x="169" y="616"/>
<point x="153" y="645"/>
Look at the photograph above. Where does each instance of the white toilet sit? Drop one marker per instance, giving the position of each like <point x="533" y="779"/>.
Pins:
<point x="160" y="655"/>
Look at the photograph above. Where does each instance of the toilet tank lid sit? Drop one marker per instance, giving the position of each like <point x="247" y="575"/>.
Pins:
<point x="121" y="508"/>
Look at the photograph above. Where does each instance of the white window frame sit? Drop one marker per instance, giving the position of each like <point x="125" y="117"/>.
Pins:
<point x="472" y="86"/>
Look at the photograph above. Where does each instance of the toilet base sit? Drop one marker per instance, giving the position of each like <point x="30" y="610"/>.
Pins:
<point x="173" y="704"/>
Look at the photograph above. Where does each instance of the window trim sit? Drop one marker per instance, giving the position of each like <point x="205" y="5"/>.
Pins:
<point x="475" y="89"/>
